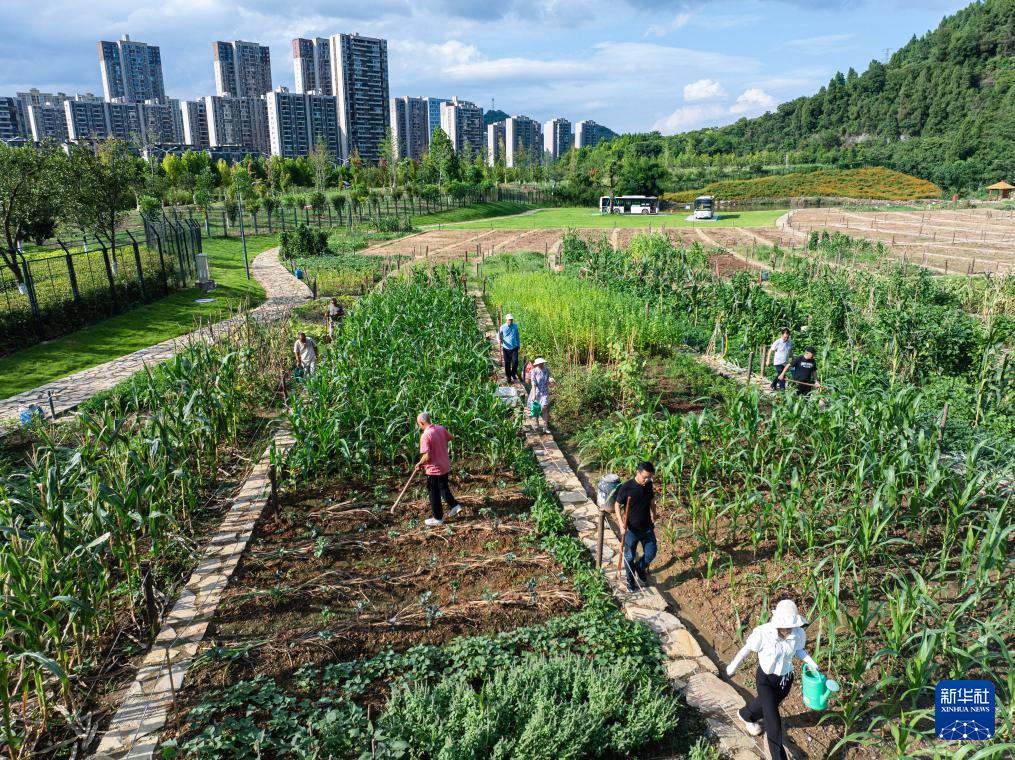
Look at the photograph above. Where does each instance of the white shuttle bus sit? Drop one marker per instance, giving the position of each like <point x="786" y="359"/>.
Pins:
<point x="629" y="204"/>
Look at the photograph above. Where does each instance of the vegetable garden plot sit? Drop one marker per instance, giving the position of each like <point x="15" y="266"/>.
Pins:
<point x="895" y="540"/>
<point x="969" y="242"/>
<point x="343" y="631"/>
<point x="96" y="509"/>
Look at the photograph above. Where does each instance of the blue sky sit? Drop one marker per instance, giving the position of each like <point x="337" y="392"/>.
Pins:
<point x="633" y="66"/>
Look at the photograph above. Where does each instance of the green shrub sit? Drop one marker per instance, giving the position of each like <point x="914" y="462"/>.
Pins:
<point x="302" y="242"/>
<point x="568" y="707"/>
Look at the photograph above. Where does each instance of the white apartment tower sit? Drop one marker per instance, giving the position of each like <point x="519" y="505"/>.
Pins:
<point x="242" y="69"/>
<point x="410" y="127"/>
<point x="312" y="65"/>
<point x="462" y="121"/>
<point x="557" y="138"/>
<point x="296" y="121"/>
<point x="359" y="73"/>
<point x="522" y="137"/>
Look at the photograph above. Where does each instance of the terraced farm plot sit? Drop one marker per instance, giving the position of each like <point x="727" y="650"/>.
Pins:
<point x="954" y="241"/>
<point x="439" y="246"/>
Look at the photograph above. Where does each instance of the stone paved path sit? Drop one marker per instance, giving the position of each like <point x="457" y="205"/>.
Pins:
<point x="133" y="732"/>
<point x="281" y="289"/>
<point x="689" y="669"/>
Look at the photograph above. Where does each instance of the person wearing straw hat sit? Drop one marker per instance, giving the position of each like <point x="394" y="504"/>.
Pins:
<point x="540" y="392"/>
<point x="509" y="341"/>
<point x="776" y="643"/>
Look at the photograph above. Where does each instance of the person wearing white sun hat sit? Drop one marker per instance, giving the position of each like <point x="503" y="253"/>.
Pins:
<point x="776" y="643"/>
<point x="540" y="392"/>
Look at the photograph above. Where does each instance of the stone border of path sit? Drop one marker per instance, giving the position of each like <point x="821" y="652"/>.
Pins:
<point x="689" y="670"/>
<point x="281" y="290"/>
<point x="134" y="730"/>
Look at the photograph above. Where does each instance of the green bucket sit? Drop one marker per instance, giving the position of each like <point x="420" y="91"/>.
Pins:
<point x="817" y="689"/>
<point x="536" y="409"/>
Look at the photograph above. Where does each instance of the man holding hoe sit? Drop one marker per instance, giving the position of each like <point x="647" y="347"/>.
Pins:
<point x="636" y="514"/>
<point x="434" y="459"/>
<point x="805" y="372"/>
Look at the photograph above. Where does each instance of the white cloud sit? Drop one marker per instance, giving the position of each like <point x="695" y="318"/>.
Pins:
<point x="703" y="89"/>
<point x="661" y="30"/>
<point x="691" y="117"/>
<point x="825" y="43"/>
<point x="754" y="100"/>
<point x="750" y="102"/>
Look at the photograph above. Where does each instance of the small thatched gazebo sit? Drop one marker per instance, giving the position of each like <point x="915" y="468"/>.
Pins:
<point x="1003" y="190"/>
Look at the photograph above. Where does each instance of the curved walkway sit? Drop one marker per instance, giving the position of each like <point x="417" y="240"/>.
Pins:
<point x="281" y="290"/>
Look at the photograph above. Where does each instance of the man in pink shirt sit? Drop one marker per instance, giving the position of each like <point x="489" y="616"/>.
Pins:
<point x="433" y="446"/>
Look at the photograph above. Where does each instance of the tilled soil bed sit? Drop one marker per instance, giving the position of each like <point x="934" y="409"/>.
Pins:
<point x="331" y="576"/>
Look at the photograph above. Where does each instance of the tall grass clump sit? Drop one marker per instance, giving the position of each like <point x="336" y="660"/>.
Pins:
<point x="578" y="322"/>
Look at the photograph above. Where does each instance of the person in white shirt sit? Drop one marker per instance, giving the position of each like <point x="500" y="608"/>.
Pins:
<point x="306" y="353"/>
<point x="776" y="643"/>
<point x="779" y="354"/>
<point x="334" y="314"/>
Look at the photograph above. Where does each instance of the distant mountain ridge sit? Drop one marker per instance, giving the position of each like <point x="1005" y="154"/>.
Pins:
<point x="942" y="108"/>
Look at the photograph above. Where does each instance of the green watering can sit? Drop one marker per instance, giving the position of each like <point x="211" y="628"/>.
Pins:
<point x="817" y="689"/>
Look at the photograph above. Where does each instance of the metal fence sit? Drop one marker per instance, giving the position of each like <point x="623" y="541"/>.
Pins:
<point x="71" y="284"/>
<point x="217" y="222"/>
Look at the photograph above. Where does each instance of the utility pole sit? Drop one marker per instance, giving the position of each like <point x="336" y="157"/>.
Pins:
<point x="243" y="236"/>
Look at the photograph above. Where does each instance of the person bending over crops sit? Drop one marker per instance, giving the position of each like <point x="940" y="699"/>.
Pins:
<point x="509" y="341"/>
<point x="334" y="313"/>
<point x="306" y="353"/>
<point x="780" y="352"/>
<point x="637" y="521"/>
<point x="540" y="392"/>
<point x="776" y="643"/>
<point x="436" y="463"/>
<point x="805" y="372"/>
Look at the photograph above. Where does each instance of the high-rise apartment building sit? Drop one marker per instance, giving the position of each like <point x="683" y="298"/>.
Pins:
<point x="296" y="121"/>
<point x="462" y="121"/>
<point x="496" y="142"/>
<point x="359" y="71"/>
<point x="410" y="127"/>
<point x="194" y="116"/>
<point x="131" y="71"/>
<point x="557" y="138"/>
<point x="47" y="121"/>
<point x="588" y="134"/>
<point x="238" y="122"/>
<point x="13" y="121"/>
<point x="433" y="106"/>
<point x="523" y="140"/>
<point x="242" y="69"/>
<point x="312" y="65"/>
<point x="162" y="122"/>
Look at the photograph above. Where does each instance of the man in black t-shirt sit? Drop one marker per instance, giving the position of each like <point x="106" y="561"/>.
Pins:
<point x="805" y="372"/>
<point x="635" y="511"/>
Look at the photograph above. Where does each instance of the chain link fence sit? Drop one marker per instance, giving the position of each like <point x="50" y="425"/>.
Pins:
<point x="69" y="284"/>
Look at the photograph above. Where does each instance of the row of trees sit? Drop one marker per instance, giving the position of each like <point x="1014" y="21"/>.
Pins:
<point x="88" y="190"/>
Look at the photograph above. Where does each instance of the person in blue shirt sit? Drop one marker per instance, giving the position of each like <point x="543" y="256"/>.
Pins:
<point x="509" y="341"/>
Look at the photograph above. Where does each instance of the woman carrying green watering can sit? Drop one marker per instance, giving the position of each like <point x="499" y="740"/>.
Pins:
<point x="540" y="393"/>
<point x="776" y="643"/>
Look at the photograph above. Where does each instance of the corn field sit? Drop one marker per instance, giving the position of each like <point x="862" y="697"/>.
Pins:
<point x="103" y="504"/>
<point x="895" y="531"/>
<point x="411" y="346"/>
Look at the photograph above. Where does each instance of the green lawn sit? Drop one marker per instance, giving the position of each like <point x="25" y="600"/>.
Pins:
<point x="586" y="217"/>
<point x="142" y="327"/>
<point x="482" y="210"/>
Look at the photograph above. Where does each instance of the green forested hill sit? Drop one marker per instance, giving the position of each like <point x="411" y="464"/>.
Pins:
<point x="942" y="108"/>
